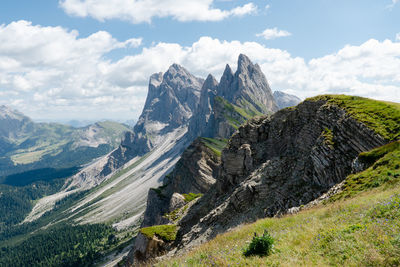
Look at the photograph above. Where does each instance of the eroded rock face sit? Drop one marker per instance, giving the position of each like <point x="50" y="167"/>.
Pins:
<point x="275" y="163"/>
<point x="194" y="173"/>
<point x="145" y="249"/>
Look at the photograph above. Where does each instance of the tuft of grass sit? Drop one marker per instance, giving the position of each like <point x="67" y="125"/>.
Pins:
<point x="166" y="232"/>
<point x="191" y="196"/>
<point x="381" y="117"/>
<point x="328" y="137"/>
<point x="260" y="245"/>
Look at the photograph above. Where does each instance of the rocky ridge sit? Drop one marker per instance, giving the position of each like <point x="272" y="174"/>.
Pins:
<point x="275" y="164"/>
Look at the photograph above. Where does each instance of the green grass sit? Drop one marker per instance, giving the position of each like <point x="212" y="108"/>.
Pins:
<point x="362" y="231"/>
<point x="328" y="137"/>
<point x="216" y="145"/>
<point x="384" y="171"/>
<point x="236" y="115"/>
<point x="166" y="232"/>
<point x="382" y="117"/>
<point x="191" y="196"/>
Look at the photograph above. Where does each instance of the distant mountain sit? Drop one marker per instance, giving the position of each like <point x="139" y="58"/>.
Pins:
<point x="284" y="100"/>
<point x="26" y="145"/>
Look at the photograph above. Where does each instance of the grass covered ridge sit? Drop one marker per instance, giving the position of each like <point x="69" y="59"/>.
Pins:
<point x="166" y="232"/>
<point x="382" y="117"/>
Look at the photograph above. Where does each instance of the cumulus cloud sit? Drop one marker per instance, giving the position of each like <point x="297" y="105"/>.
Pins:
<point x="273" y="33"/>
<point x="53" y="73"/>
<point x="398" y="37"/>
<point x="139" y="11"/>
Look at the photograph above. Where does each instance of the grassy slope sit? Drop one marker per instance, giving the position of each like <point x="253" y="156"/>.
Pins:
<point x="382" y="117"/>
<point x="359" y="227"/>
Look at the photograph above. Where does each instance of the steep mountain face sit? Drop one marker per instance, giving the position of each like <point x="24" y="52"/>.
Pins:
<point x="223" y="107"/>
<point x="193" y="173"/>
<point x="202" y="122"/>
<point x="248" y="84"/>
<point x="275" y="163"/>
<point x="239" y="96"/>
<point x="284" y="100"/>
<point x="170" y="103"/>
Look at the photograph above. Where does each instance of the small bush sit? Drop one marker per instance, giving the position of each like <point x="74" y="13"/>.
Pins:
<point x="260" y="245"/>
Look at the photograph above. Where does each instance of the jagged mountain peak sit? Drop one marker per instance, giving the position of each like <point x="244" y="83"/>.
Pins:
<point x="247" y="84"/>
<point x="243" y="63"/>
<point x="210" y="82"/>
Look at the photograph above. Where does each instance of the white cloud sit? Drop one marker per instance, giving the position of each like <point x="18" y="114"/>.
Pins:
<point x="139" y="11"/>
<point x="398" y="37"/>
<point x="52" y="73"/>
<point x="273" y="33"/>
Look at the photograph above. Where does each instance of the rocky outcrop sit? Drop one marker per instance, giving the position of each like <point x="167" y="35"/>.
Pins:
<point x="193" y="173"/>
<point x="284" y="100"/>
<point x="146" y="248"/>
<point x="276" y="163"/>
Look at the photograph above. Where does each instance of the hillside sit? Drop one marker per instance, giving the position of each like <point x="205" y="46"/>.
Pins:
<point x="319" y="141"/>
<point x="358" y="231"/>
<point x="26" y="145"/>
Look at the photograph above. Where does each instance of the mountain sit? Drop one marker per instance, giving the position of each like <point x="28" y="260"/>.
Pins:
<point x="26" y="145"/>
<point x="284" y="100"/>
<point x="239" y="96"/>
<point x="163" y="148"/>
<point x="274" y="165"/>
<point x="142" y="159"/>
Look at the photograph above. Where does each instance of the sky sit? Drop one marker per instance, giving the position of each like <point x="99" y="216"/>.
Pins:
<point x="91" y="59"/>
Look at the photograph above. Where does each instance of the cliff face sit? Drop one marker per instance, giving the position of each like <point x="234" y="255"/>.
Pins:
<point x="275" y="163"/>
<point x="193" y="173"/>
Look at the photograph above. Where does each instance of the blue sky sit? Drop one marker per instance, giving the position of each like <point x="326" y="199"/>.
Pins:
<point x="92" y="58"/>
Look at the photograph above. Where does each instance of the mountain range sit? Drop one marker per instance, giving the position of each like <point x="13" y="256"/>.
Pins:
<point x="114" y="189"/>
